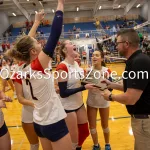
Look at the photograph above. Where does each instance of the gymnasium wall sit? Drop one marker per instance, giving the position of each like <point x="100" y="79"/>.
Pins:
<point x="69" y="17"/>
<point x="4" y="23"/>
<point x="144" y="11"/>
<point x="118" y="12"/>
<point x="81" y="16"/>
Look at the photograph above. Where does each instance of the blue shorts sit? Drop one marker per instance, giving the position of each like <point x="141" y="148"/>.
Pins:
<point x="53" y="132"/>
<point x="74" y="110"/>
<point x="3" y="130"/>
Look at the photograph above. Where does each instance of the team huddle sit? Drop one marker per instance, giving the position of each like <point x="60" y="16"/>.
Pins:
<point x="53" y="111"/>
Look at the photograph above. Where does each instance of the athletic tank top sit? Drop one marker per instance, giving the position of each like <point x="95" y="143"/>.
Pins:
<point x="95" y="99"/>
<point x="73" y="101"/>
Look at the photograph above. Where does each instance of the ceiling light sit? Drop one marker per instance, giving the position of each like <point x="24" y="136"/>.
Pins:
<point x="53" y="10"/>
<point x="100" y="7"/>
<point x="36" y="12"/>
<point x="138" y="5"/>
<point x="77" y="8"/>
<point x="14" y="14"/>
<point x="28" y="0"/>
<point x="119" y="6"/>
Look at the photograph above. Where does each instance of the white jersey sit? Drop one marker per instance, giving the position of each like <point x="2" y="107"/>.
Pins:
<point x="48" y="108"/>
<point x="95" y="99"/>
<point x="27" y="111"/>
<point x="74" y="101"/>
<point x="15" y="67"/>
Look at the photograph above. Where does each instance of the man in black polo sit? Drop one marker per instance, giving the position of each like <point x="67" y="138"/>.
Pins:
<point x="136" y="87"/>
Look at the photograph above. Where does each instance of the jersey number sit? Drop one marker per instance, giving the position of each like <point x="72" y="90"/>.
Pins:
<point x="28" y="82"/>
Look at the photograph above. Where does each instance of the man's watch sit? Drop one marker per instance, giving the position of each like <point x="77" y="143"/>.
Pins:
<point x="110" y="97"/>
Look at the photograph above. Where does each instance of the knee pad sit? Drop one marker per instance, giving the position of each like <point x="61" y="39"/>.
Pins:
<point x="74" y="146"/>
<point x="34" y="146"/>
<point x="83" y="132"/>
<point x="93" y="131"/>
<point x="106" y="130"/>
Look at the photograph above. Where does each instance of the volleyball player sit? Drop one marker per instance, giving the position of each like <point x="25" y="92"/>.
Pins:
<point x="78" y="58"/>
<point x="24" y="97"/>
<point x="5" y="142"/>
<point x="6" y="74"/>
<point x="95" y="102"/>
<point x="48" y="114"/>
<point x="71" y="95"/>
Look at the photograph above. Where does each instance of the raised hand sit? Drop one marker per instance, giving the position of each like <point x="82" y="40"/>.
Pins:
<point x="61" y="1"/>
<point x="39" y="16"/>
<point x="60" y="5"/>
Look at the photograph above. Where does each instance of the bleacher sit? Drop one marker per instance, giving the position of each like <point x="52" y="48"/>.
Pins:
<point x="111" y="24"/>
<point x="82" y="26"/>
<point x="87" y="29"/>
<point x="67" y="27"/>
<point x="89" y="26"/>
<point x="15" y="31"/>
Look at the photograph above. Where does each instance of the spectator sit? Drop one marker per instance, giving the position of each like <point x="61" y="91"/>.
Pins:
<point x="10" y="34"/>
<point x="118" y="27"/>
<point x="87" y="35"/>
<point x="20" y="32"/>
<point x="77" y="30"/>
<point x="27" y="23"/>
<point x="8" y="45"/>
<point x="32" y="23"/>
<point x="24" y="30"/>
<point x="3" y="46"/>
<point x="140" y="36"/>
<point x="114" y="30"/>
<point x="78" y="58"/>
<point x="38" y="34"/>
<point x="47" y="23"/>
<point x="74" y="28"/>
<point x="69" y="34"/>
<point x="41" y="24"/>
<point x="41" y="32"/>
<point x="97" y="24"/>
<point x="84" y="55"/>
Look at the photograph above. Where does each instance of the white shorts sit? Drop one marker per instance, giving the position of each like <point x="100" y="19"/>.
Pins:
<point x="27" y="114"/>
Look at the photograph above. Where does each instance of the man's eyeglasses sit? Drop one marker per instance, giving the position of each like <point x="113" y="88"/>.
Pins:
<point x="117" y="43"/>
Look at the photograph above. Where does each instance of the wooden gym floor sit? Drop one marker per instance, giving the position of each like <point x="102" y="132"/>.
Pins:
<point x="121" y="137"/>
